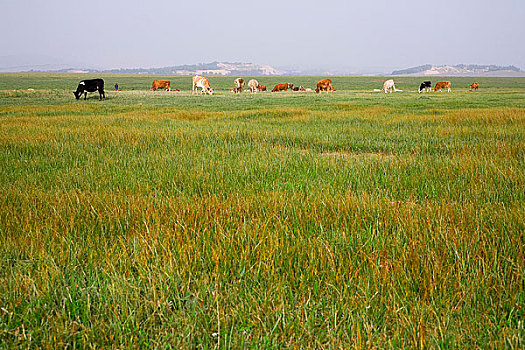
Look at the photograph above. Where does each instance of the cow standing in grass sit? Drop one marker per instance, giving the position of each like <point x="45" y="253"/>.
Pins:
<point x="203" y="83"/>
<point x="239" y="85"/>
<point x="253" y="85"/>
<point x="90" y="85"/>
<point x="161" y="84"/>
<point x="425" y="86"/>
<point x="442" y="84"/>
<point x="282" y="87"/>
<point x="389" y="86"/>
<point x="324" y="85"/>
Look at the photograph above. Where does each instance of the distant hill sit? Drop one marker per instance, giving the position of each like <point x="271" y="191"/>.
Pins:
<point x="213" y="68"/>
<point x="461" y="70"/>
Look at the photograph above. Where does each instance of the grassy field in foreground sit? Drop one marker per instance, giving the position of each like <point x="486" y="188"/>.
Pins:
<point x="355" y="219"/>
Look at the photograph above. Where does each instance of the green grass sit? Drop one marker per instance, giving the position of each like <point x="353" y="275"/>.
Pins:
<point x="354" y="219"/>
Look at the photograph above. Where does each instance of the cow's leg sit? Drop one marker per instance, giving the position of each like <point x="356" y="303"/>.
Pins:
<point x="85" y="95"/>
<point x="449" y="89"/>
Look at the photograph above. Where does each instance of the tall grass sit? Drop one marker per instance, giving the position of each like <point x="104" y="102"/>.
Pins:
<point x="320" y="221"/>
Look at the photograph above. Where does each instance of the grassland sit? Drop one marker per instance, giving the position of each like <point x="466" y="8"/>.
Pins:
<point x="355" y="219"/>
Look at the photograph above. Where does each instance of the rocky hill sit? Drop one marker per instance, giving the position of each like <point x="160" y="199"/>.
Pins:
<point x="461" y="70"/>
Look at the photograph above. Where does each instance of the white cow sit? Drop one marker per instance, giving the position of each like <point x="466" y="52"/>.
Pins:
<point x="389" y="86"/>
<point x="253" y="85"/>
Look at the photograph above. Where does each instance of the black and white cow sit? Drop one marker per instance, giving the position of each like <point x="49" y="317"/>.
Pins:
<point x="90" y="85"/>
<point x="426" y="86"/>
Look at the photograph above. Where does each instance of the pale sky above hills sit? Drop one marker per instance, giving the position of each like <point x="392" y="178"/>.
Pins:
<point x="359" y="36"/>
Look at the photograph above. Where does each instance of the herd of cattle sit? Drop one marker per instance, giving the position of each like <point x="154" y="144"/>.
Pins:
<point x="92" y="85"/>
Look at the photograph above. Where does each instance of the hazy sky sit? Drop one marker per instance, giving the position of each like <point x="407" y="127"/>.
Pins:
<point x="332" y="34"/>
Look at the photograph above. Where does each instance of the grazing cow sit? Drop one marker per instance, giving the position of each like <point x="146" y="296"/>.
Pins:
<point x="474" y="86"/>
<point x="425" y="86"/>
<point x="282" y="87"/>
<point x="201" y="82"/>
<point x="161" y="84"/>
<point x="324" y="85"/>
<point x="90" y="85"/>
<point x="262" y="87"/>
<point x="253" y="85"/>
<point x="239" y="84"/>
<point x="389" y="86"/>
<point x="442" y="84"/>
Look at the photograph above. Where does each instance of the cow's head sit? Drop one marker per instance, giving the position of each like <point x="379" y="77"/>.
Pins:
<point x="77" y="94"/>
<point x="290" y="86"/>
<point x="209" y="91"/>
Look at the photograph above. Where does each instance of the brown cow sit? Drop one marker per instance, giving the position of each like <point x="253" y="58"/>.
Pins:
<point x="474" y="86"/>
<point x="324" y="85"/>
<point x="282" y="87"/>
<point x="161" y="84"/>
<point x="442" y="84"/>
<point x="261" y="87"/>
